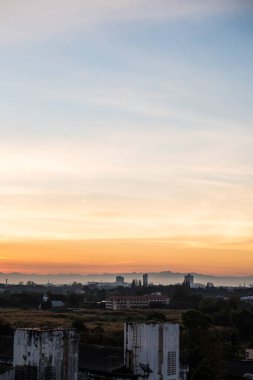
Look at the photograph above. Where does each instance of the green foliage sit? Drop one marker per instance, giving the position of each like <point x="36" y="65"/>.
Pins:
<point x="243" y="321"/>
<point x="208" y="305"/>
<point x="202" y="348"/>
<point x="24" y="299"/>
<point x="74" y="300"/>
<point x="194" y="319"/>
<point x="183" y="299"/>
<point x="5" y="328"/>
<point x="79" y="325"/>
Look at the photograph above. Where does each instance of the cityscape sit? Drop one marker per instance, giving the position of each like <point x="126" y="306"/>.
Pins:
<point x="153" y="326"/>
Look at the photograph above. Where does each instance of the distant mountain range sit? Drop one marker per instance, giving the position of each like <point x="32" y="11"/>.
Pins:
<point x="165" y="278"/>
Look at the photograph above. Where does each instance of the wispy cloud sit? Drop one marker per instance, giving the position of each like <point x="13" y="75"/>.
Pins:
<point x="31" y="20"/>
<point x="134" y="185"/>
<point x="125" y="119"/>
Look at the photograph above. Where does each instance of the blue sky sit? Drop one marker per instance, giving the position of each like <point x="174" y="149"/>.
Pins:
<point x="198" y="64"/>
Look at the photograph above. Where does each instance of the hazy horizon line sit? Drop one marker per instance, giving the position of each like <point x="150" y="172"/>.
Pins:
<point x="128" y="273"/>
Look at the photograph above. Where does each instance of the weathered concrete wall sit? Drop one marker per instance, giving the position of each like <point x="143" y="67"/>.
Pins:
<point x="8" y="375"/>
<point x="249" y="354"/>
<point x="48" y="350"/>
<point x="156" y="345"/>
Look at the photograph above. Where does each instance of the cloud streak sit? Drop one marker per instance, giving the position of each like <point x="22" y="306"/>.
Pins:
<point x="126" y="120"/>
<point x="115" y="187"/>
<point x="32" y="20"/>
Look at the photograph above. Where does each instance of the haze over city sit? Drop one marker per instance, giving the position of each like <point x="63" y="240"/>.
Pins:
<point x="126" y="136"/>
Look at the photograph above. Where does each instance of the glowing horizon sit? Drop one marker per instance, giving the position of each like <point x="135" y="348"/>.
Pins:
<point x="125" y="255"/>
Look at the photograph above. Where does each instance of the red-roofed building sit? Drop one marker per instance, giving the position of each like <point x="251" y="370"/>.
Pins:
<point x="129" y="302"/>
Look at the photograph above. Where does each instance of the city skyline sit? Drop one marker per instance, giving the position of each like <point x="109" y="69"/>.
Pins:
<point x="126" y="136"/>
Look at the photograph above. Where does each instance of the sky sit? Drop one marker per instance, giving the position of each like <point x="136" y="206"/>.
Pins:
<point x="126" y="136"/>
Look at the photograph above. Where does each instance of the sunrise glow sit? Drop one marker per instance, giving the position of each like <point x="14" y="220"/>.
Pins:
<point x="126" y="136"/>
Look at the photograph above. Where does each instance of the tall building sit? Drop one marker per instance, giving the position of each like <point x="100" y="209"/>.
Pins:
<point x="120" y="280"/>
<point x="188" y="281"/>
<point x="152" y="350"/>
<point x="50" y="354"/>
<point x="145" y="279"/>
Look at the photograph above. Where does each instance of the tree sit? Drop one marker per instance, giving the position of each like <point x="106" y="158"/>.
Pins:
<point x="201" y="346"/>
<point x="194" y="319"/>
<point x="79" y="325"/>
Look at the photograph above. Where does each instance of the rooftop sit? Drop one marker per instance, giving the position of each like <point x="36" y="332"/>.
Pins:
<point x="44" y="329"/>
<point x="138" y="298"/>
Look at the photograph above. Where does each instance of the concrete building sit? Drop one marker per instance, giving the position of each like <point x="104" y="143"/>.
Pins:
<point x="249" y="354"/>
<point x="120" y="280"/>
<point x="145" y="279"/>
<point x="188" y="281"/>
<point x="57" y="304"/>
<point x="6" y="372"/>
<point x="50" y="354"/>
<point x="130" y="302"/>
<point x="247" y="299"/>
<point x="152" y="350"/>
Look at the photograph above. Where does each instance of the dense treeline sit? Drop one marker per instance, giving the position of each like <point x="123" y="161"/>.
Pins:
<point x="217" y="332"/>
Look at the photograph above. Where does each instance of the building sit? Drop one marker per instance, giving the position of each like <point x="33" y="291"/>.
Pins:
<point x="148" y="346"/>
<point x="247" y="299"/>
<point x="188" y="281"/>
<point x="50" y="354"/>
<point x="152" y="350"/>
<point x="129" y="302"/>
<point x="120" y="280"/>
<point x="249" y="354"/>
<point x="57" y="304"/>
<point x="145" y="279"/>
<point x="6" y="372"/>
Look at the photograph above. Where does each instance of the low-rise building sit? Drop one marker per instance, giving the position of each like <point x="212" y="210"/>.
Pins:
<point x="129" y="302"/>
<point x="247" y="299"/>
<point x="57" y="304"/>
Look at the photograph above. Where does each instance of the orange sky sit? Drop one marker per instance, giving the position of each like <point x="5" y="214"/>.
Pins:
<point x="97" y="256"/>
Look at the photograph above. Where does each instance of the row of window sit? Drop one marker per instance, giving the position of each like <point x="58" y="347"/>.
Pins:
<point x="172" y="363"/>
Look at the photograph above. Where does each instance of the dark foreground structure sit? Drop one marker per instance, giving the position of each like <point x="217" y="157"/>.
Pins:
<point x="55" y="354"/>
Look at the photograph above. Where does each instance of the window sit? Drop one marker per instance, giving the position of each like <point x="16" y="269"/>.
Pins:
<point x="49" y="373"/>
<point x="172" y="363"/>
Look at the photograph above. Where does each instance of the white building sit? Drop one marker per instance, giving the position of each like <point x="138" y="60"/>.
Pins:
<point x="249" y="354"/>
<point x="130" y="302"/>
<point x="50" y="354"/>
<point x="152" y="349"/>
